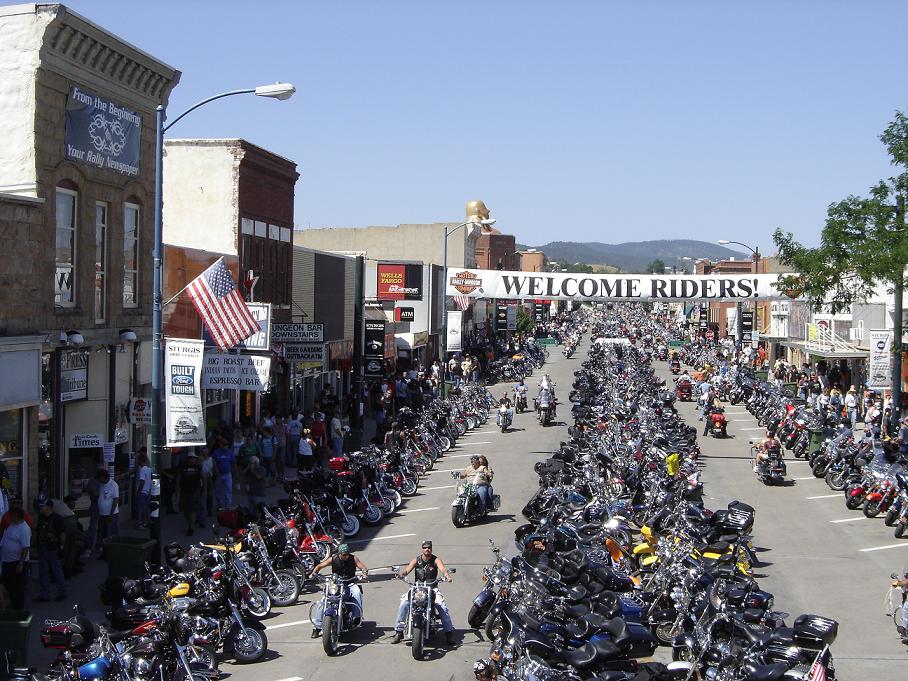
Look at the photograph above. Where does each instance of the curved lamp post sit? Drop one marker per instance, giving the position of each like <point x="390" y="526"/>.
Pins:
<point x="279" y="91"/>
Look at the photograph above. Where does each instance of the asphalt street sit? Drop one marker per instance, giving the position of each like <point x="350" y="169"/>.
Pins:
<point x="814" y="551"/>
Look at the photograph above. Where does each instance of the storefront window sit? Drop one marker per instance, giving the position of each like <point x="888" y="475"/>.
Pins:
<point x="11" y="452"/>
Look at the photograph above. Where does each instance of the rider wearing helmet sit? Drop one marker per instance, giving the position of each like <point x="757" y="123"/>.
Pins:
<point x="427" y="567"/>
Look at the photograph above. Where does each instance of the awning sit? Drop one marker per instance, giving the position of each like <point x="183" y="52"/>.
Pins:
<point x="412" y="341"/>
<point x="375" y="314"/>
<point x="831" y="353"/>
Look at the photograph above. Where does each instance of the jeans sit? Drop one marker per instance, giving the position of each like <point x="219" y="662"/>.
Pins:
<point x="404" y="609"/>
<point x="485" y="497"/>
<point x="354" y="593"/>
<point x="49" y="566"/>
<point x="510" y="417"/>
<point x="853" y="416"/>
<point x="15" y="580"/>
<point x="268" y="465"/>
<point x="224" y="490"/>
<point x="144" y="499"/>
<point x="107" y="527"/>
<point x="204" y="509"/>
<point x="93" y="526"/>
<point x="337" y="445"/>
<point x="292" y="449"/>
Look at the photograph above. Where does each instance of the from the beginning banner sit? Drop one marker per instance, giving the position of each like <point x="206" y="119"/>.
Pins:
<point x="101" y="133"/>
<point x="183" y="392"/>
<point x="630" y="287"/>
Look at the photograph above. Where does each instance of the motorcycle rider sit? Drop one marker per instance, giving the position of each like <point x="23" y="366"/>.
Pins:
<point x="343" y="564"/>
<point x="481" y="477"/>
<point x="505" y="401"/>
<point x="520" y="390"/>
<point x="427" y="566"/>
<point x="769" y="445"/>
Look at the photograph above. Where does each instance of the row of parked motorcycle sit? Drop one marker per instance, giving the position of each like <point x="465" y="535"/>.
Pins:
<point x="619" y="556"/>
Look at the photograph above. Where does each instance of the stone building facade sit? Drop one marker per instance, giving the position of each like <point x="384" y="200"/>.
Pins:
<point x="77" y="143"/>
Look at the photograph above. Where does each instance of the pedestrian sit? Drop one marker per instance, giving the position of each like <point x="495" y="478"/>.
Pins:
<point x="108" y="508"/>
<point x="49" y="541"/>
<point x="268" y="448"/>
<point x="294" y="430"/>
<point x="206" y="491"/>
<point x="143" y="489"/>
<point x="93" y="490"/>
<point x="256" y="477"/>
<point x="168" y="479"/>
<point x="249" y="449"/>
<point x="189" y="479"/>
<point x="306" y="451"/>
<point x="224" y="463"/>
<point x="337" y="435"/>
<point x="8" y="517"/>
<point x="815" y="390"/>
<point x="14" y="548"/>
<point x="851" y="406"/>
<point x="280" y="446"/>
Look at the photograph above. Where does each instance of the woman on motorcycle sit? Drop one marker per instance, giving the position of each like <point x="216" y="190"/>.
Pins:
<point x="769" y="445"/>
<point x="481" y="478"/>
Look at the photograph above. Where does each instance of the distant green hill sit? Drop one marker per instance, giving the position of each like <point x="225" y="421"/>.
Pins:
<point x="634" y="256"/>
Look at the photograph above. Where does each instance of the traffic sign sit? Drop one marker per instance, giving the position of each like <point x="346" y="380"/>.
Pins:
<point x="298" y="333"/>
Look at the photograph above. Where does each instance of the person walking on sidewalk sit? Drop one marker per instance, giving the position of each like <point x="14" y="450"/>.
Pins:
<point x="108" y="508"/>
<point x="206" y="491"/>
<point x="337" y="435"/>
<point x="143" y="489"/>
<point x="224" y="462"/>
<point x="50" y="538"/>
<point x="14" y="548"/>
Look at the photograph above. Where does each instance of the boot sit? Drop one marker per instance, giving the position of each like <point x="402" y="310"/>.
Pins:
<point x="316" y="632"/>
<point x="398" y="637"/>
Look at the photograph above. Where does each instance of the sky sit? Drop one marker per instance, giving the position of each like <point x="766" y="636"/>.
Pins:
<point x="574" y="121"/>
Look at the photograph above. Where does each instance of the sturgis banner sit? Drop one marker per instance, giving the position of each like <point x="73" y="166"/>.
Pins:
<point x="183" y="392"/>
<point x="630" y="287"/>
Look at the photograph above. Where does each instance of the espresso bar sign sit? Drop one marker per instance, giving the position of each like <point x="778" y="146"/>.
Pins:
<point x="101" y="133"/>
<point x="74" y="375"/>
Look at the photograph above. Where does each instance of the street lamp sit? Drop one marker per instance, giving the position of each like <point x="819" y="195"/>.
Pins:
<point x="739" y="322"/>
<point x="278" y="91"/>
<point x="488" y="222"/>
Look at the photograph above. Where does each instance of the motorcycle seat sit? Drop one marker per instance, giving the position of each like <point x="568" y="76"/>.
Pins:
<point x="577" y="593"/>
<point x="716" y="547"/>
<point x="783" y="635"/>
<point x="581" y="657"/>
<point x="595" y="621"/>
<point x="578" y="628"/>
<point x="605" y="649"/>
<point x="577" y="610"/>
<point x="766" y="672"/>
<point x="617" y="627"/>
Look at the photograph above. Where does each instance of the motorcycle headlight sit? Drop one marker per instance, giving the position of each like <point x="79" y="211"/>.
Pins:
<point x="420" y="597"/>
<point x="770" y="602"/>
<point x="293" y="535"/>
<point x="333" y="589"/>
<point x="140" y="666"/>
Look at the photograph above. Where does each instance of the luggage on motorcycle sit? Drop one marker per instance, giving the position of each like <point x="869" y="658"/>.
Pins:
<point x="337" y="463"/>
<point x="814" y="631"/>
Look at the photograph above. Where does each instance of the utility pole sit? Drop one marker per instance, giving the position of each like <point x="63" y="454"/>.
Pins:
<point x="897" y="322"/>
<point x="356" y="420"/>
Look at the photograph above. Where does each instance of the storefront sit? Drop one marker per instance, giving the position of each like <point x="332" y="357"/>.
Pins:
<point x="20" y="396"/>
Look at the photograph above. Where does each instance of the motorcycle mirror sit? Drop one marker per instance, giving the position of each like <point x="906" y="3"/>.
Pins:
<point x="893" y="576"/>
<point x="452" y="570"/>
<point x="395" y="569"/>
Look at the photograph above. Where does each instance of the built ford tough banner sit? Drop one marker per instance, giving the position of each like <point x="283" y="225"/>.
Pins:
<point x="641" y="287"/>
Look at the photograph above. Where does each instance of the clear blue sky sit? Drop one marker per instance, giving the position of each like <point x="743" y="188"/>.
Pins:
<point x="581" y="121"/>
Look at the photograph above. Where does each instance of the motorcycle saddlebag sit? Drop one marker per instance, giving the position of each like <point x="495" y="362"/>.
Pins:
<point x="337" y="463"/>
<point x="232" y="518"/>
<point x="814" y="631"/>
<point x="56" y="635"/>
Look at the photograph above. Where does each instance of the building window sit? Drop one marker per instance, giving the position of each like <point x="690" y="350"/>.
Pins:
<point x="130" y="255"/>
<point x="100" y="261"/>
<point x="67" y="223"/>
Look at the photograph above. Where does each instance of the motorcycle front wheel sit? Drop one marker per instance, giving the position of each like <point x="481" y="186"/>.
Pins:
<point x="477" y="616"/>
<point x="350" y="526"/>
<point x="854" y="503"/>
<point x="457" y="517"/>
<point x="445" y="443"/>
<point x="408" y="487"/>
<point x="372" y="515"/>
<point x="892" y="516"/>
<point x="286" y="591"/>
<point x="836" y="479"/>
<point x="249" y="645"/>
<point x="202" y="654"/>
<point x="329" y="636"/>
<point x="899" y="530"/>
<point x="871" y="509"/>
<point x="258" y="603"/>
<point x="416" y="649"/>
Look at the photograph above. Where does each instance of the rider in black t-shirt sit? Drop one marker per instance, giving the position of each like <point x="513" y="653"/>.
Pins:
<point x="344" y="565"/>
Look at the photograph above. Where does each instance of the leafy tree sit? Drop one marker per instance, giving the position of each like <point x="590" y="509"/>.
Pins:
<point x="657" y="266"/>
<point x="576" y="267"/>
<point x="525" y="323"/>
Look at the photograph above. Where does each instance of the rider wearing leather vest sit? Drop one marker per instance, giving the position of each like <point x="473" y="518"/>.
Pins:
<point x="425" y="567"/>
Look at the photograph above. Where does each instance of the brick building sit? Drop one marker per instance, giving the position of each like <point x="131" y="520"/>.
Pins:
<point x="77" y="143"/>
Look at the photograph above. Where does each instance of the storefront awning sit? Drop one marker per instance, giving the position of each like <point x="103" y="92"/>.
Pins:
<point x="412" y="341"/>
<point x="830" y="353"/>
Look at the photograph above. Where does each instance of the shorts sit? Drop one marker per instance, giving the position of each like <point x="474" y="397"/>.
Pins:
<point x="189" y="501"/>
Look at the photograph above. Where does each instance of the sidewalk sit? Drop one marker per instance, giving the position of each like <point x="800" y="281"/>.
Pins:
<point x="83" y="588"/>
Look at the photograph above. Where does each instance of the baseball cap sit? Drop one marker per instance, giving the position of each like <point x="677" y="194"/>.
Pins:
<point x="427" y="544"/>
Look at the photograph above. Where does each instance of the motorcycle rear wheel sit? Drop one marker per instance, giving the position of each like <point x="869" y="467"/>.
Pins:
<point x="329" y="636"/>
<point x="416" y="648"/>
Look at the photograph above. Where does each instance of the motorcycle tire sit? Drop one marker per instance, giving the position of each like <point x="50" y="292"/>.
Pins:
<point x="683" y="654"/>
<point x="202" y="654"/>
<point x="249" y="646"/>
<point x="350" y="526"/>
<point x="390" y="505"/>
<point x="258" y="604"/>
<point x="871" y="509"/>
<point x="457" y="516"/>
<point x="373" y="515"/>
<point x="664" y="632"/>
<point x="819" y="468"/>
<point x="287" y="590"/>
<point x="445" y="443"/>
<point x="854" y="503"/>
<point x="899" y="530"/>
<point x="424" y="461"/>
<point x="408" y="487"/>
<point x="416" y="647"/>
<point x="892" y="516"/>
<point x="836" y="480"/>
<point x="492" y="628"/>
<point x="504" y="428"/>
<point x="477" y="616"/>
<point x="471" y="423"/>
<point x="329" y="636"/>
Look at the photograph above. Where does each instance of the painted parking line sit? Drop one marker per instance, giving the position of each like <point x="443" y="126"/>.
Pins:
<point x="751" y="428"/>
<point x="426" y="489"/>
<point x="291" y="678"/>
<point x="883" y="548"/>
<point x="460" y="456"/>
<point x="286" y="624"/>
<point x="390" y="536"/>
<point x="849" y="520"/>
<point x="486" y="442"/>
<point x="445" y="470"/>
<point x="808" y="477"/>
<point x="827" y="496"/>
<point x="419" y="510"/>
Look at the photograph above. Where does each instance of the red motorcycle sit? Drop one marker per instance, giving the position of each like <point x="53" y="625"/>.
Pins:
<point x="718" y="427"/>
<point x="683" y="391"/>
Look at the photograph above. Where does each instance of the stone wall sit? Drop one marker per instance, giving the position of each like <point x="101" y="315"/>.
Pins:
<point x="21" y="282"/>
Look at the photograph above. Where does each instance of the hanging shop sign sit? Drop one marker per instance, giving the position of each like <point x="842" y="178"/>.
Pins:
<point x="512" y="317"/>
<point x="259" y="341"/>
<point x="374" y="350"/>
<point x="455" y="332"/>
<point x="183" y="393"/>
<point x="85" y="440"/>
<point x="404" y="314"/>
<point x="307" y="355"/>
<point x="398" y="281"/>
<point x="298" y="333"/>
<point x="238" y="372"/>
<point x="101" y="133"/>
<point x="74" y="375"/>
<point x="140" y="411"/>
<point x="633" y="287"/>
<point x="880" y="374"/>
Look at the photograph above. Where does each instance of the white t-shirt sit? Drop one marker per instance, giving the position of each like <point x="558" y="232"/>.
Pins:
<point x="145" y="480"/>
<point x="304" y="449"/>
<point x="109" y="491"/>
<point x="16" y="537"/>
<point x="336" y="428"/>
<point x="294" y="427"/>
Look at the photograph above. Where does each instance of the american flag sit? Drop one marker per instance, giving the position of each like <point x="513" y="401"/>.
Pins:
<point x="818" y="669"/>
<point x="221" y="306"/>
<point x="462" y="302"/>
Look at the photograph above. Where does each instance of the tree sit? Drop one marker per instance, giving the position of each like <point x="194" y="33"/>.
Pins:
<point x="657" y="266"/>
<point x="525" y="323"/>
<point x="862" y="246"/>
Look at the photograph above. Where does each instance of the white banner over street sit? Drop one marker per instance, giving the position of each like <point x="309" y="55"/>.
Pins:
<point x="239" y="372"/>
<point x="880" y="374"/>
<point x="455" y="331"/>
<point x="630" y="287"/>
<point x="183" y="392"/>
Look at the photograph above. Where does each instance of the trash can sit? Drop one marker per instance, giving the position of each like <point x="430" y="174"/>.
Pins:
<point x="126" y="556"/>
<point x="14" y="628"/>
<point x="816" y="441"/>
<point x="790" y="389"/>
<point x="761" y="375"/>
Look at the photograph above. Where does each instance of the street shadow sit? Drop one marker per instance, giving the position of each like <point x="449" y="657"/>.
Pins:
<point x="787" y="483"/>
<point x="368" y="632"/>
<point x="506" y="517"/>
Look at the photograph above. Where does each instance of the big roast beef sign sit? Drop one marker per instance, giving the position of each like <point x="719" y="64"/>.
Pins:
<point x="639" y="287"/>
<point x="398" y="282"/>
